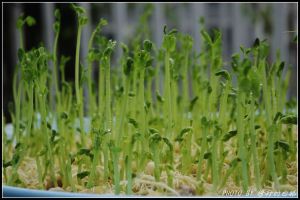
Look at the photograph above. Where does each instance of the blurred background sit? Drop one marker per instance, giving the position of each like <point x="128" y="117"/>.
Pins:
<point x="240" y="24"/>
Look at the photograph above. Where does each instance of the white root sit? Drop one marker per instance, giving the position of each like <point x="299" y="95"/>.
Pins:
<point x="158" y="184"/>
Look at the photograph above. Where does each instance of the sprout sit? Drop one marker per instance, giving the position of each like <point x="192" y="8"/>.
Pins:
<point x="196" y="121"/>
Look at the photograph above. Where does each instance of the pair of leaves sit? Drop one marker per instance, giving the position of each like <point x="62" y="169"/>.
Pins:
<point x="208" y="39"/>
<point x="224" y="73"/>
<point x="285" y="119"/>
<point x="245" y="51"/>
<point x="63" y="61"/>
<point x="147" y="44"/>
<point x="56" y="25"/>
<point x="188" y="42"/>
<point x="133" y="122"/>
<point x="207" y="122"/>
<point x="94" y="54"/>
<point x="101" y="23"/>
<point x="80" y="14"/>
<point x="29" y="20"/>
<point x="289" y="119"/>
<point x="250" y="83"/>
<point x="128" y="67"/>
<point x="13" y="161"/>
<point x="182" y="133"/>
<point x="262" y="47"/>
<point x="83" y="174"/>
<point x="284" y="145"/>
<point x="135" y="137"/>
<point x="64" y="115"/>
<point x="169" y="40"/>
<point x="229" y="135"/>
<point x="109" y="48"/>
<point x="86" y="152"/>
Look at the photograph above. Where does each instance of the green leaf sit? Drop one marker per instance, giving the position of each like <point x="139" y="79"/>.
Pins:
<point x="103" y="22"/>
<point x="147" y="45"/>
<point x="173" y="31"/>
<point x="217" y="36"/>
<point x="169" y="42"/>
<point x="64" y="60"/>
<point x="15" y="159"/>
<point x="295" y="39"/>
<point x="224" y="73"/>
<point x="42" y="152"/>
<point x="206" y="37"/>
<point x="56" y="26"/>
<point x="153" y="130"/>
<point x="57" y="14"/>
<point x="83" y="152"/>
<point x="235" y="62"/>
<point x="7" y="164"/>
<point x="245" y="85"/>
<point x="185" y="130"/>
<point x="79" y="10"/>
<point x="291" y="104"/>
<point x="289" y="119"/>
<point x="247" y="67"/>
<point x="83" y="174"/>
<point x="255" y="83"/>
<point x="256" y="43"/>
<point x="21" y="54"/>
<point x="20" y="21"/>
<point x="155" y="137"/>
<point x="167" y="142"/>
<point x="64" y="115"/>
<point x="49" y="126"/>
<point x="277" y="116"/>
<point x="201" y="20"/>
<point x="280" y="69"/>
<point x="133" y="122"/>
<point x="135" y="137"/>
<point x="264" y="50"/>
<point x="107" y="131"/>
<point x="131" y="94"/>
<point x="128" y="68"/>
<point x="257" y="127"/>
<point x="234" y="162"/>
<point x="86" y="152"/>
<point x="282" y="144"/>
<point x="159" y="97"/>
<point x="18" y="146"/>
<point x="19" y="182"/>
<point x="165" y="29"/>
<point x="207" y="155"/>
<point x="30" y="21"/>
<point x="83" y="20"/>
<point x="229" y="135"/>
<point x="188" y="42"/>
<point x="124" y="48"/>
<point x="204" y="121"/>
<point x="109" y="49"/>
<point x="193" y="102"/>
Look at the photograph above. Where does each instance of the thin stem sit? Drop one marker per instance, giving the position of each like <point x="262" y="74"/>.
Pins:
<point x="77" y="86"/>
<point x="253" y="144"/>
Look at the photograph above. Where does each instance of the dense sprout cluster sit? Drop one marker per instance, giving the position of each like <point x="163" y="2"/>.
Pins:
<point x="166" y="121"/>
